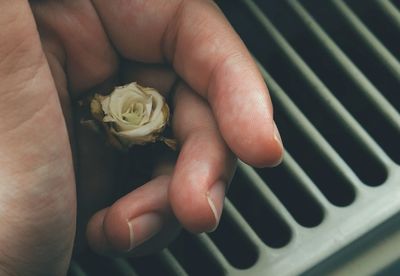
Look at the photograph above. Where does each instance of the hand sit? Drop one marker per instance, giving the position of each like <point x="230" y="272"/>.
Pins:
<point x="220" y="106"/>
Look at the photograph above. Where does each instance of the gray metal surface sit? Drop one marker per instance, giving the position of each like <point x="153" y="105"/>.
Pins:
<point x="333" y="206"/>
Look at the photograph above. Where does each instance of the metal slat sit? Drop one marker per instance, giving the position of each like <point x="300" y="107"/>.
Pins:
<point x="311" y="132"/>
<point x="215" y="253"/>
<point x="319" y="88"/>
<point x="76" y="270"/>
<point x="298" y="193"/>
<point x="244" y="237"/>
<point x="242" y="224"/>
<point x="123" y="267"/>
<point x="258" y="184"/>
<point x="338" y="56"/>
<point x="195" y="254"/>
<point x="396" y="3"/>
<point x="263" y="209"/>
<point x="373" y="44"/>
<point x="306" y="183"/>
<point x="265" y="252"/>
<point x="169" y="260"/>
<point x="390" y="11"/>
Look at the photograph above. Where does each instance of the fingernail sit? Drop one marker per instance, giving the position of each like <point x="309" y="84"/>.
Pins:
<point x="143" y="228"/>
<point x="278" y="139"/>
<point x="277" y="135"/>
<point x="215" y="197"/>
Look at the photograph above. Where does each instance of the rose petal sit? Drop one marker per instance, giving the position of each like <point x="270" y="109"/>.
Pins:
<point x="135" y="114"/>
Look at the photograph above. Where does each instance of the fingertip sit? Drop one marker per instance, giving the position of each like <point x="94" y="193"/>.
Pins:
<point x="279" y="152"/>
<point x="215" y="198"/>
<point x="274" y="159"/>
<point x="138" y="223"/>
<point x="267" y="157"/>
<point x="194" y="212"/>
<point x="276" y="150"/>
<point x="245" y="117"/>
<point x="196" y="197"/>
<point x="95" y="235"/>
<point x="262" y="148"/>
<point x="108" y="233"/>
<point x="117" y="230"/>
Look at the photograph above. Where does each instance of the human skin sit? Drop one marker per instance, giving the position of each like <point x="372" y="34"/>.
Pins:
<point x="53" y="53"/>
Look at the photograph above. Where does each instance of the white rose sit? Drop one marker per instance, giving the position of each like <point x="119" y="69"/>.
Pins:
<point x="133" y="114"/>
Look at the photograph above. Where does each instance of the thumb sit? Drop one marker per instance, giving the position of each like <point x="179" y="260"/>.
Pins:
<point x="37" y="195"/>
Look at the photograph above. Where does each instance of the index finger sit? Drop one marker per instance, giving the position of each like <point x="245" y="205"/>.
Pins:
<point x="205" y="51"/>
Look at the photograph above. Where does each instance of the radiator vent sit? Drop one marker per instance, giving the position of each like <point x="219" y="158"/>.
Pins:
<point x="334" y="75"/>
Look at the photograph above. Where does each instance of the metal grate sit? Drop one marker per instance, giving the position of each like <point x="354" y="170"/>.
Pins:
<point x="334" y="76"/>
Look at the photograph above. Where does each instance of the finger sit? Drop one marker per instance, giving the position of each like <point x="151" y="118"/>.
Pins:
<point x="205" y="165"/>
<point x="158" y="76"/>
<point x="196" y="38"/>
<point x="138" y="223"/>
<point x="87" y="54"/>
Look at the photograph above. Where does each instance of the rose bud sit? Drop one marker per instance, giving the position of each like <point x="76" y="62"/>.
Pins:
<point x="132" y="115"/>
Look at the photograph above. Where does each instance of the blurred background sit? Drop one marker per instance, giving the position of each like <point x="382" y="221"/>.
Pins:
<point x="333" y="205"/>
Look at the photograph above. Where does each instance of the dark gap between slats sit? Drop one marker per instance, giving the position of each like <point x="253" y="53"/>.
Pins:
<point x="366" y="166"/>
<point x="193" y="257"/>
<point x="348" y="40"/>
<point x="396" y="3"/>
<point x="233" y="244"/>
<point x="378" y="23"/>
<point x="301" y="205"/>
<point x="95" y="265"/>
<point x="244" y="23"/>
<point x="151" y="265"/>
<point x="268" y="225"/>
<point x="73" y="271"/>
<point x="337" y="189"/>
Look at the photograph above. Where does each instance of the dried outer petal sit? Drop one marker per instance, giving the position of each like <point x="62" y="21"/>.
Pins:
<point x="171" y="143"/>
<point x="95" y="107"/>
<point x="116" y="111"/>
